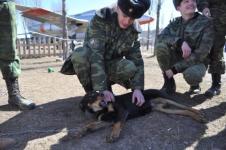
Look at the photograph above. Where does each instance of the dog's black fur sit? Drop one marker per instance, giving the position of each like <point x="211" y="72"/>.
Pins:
<point x="123" y="108"/>
<point x="123" y="105"/>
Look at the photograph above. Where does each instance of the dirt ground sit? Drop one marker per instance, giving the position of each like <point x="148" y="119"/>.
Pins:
<point x="57" y="97"/>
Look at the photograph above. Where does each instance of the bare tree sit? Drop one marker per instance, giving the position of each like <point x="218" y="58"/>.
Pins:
<point x="156" y="6"/>
<point x="158" y="15"/>
<point x="148" y="35"/>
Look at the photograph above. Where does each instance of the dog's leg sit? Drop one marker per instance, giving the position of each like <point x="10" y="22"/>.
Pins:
<point x="117" y="127"/>
<point x="110" y="108"/>
<point x="115" y="133"/>
<point x="185" y="110"/>
<point x="90" y="127"/>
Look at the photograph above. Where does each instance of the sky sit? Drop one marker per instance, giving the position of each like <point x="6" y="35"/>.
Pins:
<point x="79" y="6"/>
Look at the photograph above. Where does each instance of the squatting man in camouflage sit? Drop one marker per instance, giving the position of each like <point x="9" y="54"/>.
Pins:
<point x="183" y="47"/>
<point x="111" y="51"/>
<point x="215" y="9"/>
<point x="9" y="61"/>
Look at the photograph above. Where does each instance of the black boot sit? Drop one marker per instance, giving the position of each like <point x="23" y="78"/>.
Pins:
<point x="169" y="85"/>
<point x="215" y="89"/>
<point x="14" y="95"/>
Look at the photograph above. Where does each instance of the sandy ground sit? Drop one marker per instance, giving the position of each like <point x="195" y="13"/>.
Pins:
<point x="57" y="97"/>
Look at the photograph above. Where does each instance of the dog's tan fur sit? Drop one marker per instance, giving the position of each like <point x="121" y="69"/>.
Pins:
<point x="158" y="104"/>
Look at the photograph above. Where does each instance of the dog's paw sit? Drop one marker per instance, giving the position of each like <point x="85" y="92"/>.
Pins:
<point x="200" y="117"/>
<point x="111" y="139"/>
<point x="72" y="136"/>
<point x="203" y="119"/>
<point x="66" y="138"/>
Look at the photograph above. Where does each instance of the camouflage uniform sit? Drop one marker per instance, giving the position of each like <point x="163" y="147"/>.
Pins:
<point x="218" y="13"/>
<point x="109" y="54"/>
<point x="198" y="33"/>
<point x="217" y="64"/>
<point x="9" y="62"/>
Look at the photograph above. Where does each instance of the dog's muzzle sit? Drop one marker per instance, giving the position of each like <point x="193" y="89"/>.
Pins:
<point x="103" y="104"/>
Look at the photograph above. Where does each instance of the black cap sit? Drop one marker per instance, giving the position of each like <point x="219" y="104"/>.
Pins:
<point x="176" y="3"/>
<point x="134" y="8"/>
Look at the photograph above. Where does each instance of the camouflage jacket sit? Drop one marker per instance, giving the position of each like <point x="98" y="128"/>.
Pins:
<point x="197" y="32"/>
<point x="217" y="7"/>
<point x="107" y="41"/>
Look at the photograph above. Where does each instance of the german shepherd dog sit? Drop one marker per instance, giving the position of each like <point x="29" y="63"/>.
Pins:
<point x="116" y="113"/>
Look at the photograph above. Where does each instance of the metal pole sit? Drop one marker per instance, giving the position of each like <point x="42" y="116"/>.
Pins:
<point x="148" y="34"/>
<point x="65" y="34"/>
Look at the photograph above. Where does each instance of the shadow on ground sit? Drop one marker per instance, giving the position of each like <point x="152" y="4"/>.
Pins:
<point x="154" y="131"/>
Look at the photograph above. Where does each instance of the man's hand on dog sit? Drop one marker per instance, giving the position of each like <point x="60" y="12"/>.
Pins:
<point x="108" y="96"/>
<point x="138" y="97"/>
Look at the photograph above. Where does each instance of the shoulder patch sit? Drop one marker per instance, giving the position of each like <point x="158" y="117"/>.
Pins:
<point x="94" y="43"/>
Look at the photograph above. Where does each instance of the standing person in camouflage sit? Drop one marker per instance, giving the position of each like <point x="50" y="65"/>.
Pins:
<point x="9" y="61"/>
<point x="183" y="47"/>
<point x="217" y="11"/>
<point x="111" y="51"/>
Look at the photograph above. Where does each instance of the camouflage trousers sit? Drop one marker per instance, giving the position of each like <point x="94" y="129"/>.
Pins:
<point x="217" y="63"/>
<point x="7" y="31"/>
<point x="10" y="68"/>
<point x="117" y="70"/>
<point x="9" y="62"/>
<point x="193" y="75"/>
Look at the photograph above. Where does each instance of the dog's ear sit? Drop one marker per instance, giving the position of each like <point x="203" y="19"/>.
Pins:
<point x="82" y="107"/>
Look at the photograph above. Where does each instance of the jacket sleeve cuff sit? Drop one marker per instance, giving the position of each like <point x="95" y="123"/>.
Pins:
<point x="137" y="88"/>
<point x="179" y="43"/>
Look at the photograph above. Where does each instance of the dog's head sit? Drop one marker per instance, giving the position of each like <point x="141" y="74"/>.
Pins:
<point x="93" y="102"/>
